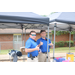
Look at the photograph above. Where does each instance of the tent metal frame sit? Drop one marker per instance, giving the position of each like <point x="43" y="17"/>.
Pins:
<point x="70" y="29"/>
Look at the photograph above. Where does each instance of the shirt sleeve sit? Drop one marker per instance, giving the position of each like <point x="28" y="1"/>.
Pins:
<point x="38" y="42"/>
<point x="49" y="42"/>
<point x="28" y="44"/>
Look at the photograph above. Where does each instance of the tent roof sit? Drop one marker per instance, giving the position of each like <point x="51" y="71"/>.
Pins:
<point x="22" y="17"/>
<point x="17" y="19"/>
<point x="64" y="21"/>
<point x="63" y="17"/>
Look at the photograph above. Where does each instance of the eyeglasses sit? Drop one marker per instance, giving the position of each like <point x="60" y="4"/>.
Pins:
<point x="33" y="34"/>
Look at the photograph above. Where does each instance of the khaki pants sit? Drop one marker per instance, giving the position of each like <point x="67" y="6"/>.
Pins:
<point x="34" y="59"/>
<point x="42" y="57"/>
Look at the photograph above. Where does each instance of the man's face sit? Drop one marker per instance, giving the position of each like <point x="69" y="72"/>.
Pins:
<point x="33" y="35"/>
<point x="43" y="34"/>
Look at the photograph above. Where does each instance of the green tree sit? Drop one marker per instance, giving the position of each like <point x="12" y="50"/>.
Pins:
<point x="63" y="32"/>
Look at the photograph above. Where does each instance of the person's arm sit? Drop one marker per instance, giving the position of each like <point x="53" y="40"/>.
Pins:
<point x="28" y="47"/>
<point x="50" y="43"/>
<point x="39" y="43"/>
<point x="31" y="50"/>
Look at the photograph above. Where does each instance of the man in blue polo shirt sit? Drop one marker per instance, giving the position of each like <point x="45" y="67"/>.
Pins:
<point x="31" y="48"/>
<point x="42" y="43"/>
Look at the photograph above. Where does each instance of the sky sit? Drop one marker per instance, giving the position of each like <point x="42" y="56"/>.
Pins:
<point x="43" y="13"/>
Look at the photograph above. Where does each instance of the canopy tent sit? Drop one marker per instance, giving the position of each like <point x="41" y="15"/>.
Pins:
<point x="62" y="21"/>
<point x="63" y="17"/>
<point x="16" y="19"/>
<point x="20" y="20"/>
<point x="22" y="17"/>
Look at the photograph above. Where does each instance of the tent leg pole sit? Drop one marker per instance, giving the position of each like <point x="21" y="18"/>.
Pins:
<point x="0" y="47"/>
<point x="54" y="41"/>
<point x="25" y="35"/>
<point x="22" y="37"/>
<point x="25" y="42"/>
<point x="69" y="41"/>
<point x="47" y="43"/>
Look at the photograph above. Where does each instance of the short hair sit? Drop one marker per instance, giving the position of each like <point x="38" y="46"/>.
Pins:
<point x="32" y="32"/>
<point x="42" y="31"/>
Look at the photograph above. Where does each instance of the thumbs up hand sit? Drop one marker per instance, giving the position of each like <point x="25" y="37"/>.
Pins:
<point x="41" y="43"/>
<point x="51" y="44"/>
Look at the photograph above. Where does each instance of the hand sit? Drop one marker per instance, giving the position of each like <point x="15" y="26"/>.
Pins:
<point x="51" y="44"/>
<point x="37" y="48"/>
<point x="41" y="43"/>
<point x="39" y="52"/>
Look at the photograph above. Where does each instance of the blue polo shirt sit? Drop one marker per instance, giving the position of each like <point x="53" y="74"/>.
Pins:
<point x="44" y="46"/>
<point x="30" y="43"/>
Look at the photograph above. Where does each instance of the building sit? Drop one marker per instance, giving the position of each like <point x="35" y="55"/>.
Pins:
<point x="12" y="38"/>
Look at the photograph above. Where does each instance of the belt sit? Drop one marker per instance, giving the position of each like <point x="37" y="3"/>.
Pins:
<point x="44" y="52"/>
<point x="33" y="57"/>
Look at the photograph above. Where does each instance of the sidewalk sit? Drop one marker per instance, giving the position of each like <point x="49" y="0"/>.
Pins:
<point x="6" y="58"/>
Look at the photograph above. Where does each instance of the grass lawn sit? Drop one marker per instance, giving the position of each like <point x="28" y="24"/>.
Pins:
<point x="57" y="50"/>
<point x="4" y="51"/>
<point x="63" y="50"/>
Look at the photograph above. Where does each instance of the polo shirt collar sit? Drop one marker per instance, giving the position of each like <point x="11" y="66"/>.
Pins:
<point x="43" y="39"/>
<point x="31" y="39"/>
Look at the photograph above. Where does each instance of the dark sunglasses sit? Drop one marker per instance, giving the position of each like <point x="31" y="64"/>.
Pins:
<point x="33" y="34"/>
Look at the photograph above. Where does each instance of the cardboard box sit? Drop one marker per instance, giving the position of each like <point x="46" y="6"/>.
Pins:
<point x="22" y="49"/>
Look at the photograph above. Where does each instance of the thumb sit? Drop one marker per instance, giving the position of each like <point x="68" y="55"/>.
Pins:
<point x="40" y="41"/>
<point x="37" y="46"/>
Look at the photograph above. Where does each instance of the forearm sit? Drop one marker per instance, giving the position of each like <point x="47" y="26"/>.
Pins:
<point x="39" y="45"/>
<point x="51" y="44"/>
<point x="30" y="50"/>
